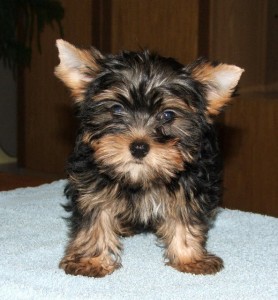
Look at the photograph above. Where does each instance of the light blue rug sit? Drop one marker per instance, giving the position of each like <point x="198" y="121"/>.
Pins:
<point x="33" y="237"/>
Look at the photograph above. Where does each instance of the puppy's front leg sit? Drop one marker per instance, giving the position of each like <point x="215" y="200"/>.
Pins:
<point x="185" y="248"/>
<point x="94" y="250"/>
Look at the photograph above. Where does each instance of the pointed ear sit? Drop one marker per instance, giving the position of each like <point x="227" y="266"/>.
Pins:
<point x="220" y="81"/>
<point x="77" y="67"/>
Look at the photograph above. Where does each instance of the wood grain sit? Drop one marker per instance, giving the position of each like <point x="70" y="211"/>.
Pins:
<point x="169" y="27"/>
<point x="238" y="36"/>
<point x="12" y="180"/>
<point x="250" y="146"/>
<point x="47" y="129"/>
<point x="272" y="46"/>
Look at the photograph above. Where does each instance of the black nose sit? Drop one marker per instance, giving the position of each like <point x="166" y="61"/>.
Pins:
<point x="139" y="149"/>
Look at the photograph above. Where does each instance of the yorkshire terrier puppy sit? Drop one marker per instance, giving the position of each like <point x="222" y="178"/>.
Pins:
<point x="146" y="156"/>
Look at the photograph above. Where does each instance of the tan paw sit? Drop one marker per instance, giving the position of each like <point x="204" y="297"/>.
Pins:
<point x="208" y="264"/>
<point x="88" y="266"/>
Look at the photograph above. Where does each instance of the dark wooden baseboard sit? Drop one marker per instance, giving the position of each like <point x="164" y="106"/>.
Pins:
<point x="12" y="177"/>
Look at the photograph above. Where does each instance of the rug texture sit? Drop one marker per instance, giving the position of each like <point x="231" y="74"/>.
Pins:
<point x="33" y="237"/>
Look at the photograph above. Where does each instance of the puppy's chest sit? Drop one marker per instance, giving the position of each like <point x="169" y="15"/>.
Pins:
<point x="149" y="205"/>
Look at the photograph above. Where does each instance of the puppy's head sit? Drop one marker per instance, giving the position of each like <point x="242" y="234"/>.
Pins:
<point x="144" y="115"/>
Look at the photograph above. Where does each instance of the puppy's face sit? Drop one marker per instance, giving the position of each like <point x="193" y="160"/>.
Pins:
<point x="143" y="115"/>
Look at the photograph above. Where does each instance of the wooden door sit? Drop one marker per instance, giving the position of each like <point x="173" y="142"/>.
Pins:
<point x="244" y="33"/>
<point x="46" y="123"/>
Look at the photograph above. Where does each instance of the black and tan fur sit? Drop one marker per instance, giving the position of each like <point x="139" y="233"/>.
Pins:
<point x="146" y="156"/>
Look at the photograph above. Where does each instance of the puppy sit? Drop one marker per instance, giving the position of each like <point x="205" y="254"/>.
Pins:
<point x="146" y="156"/>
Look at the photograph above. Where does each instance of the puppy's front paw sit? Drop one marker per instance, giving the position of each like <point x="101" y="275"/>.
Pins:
<point x="89" y="266"/>
<point x="208" y="264"/>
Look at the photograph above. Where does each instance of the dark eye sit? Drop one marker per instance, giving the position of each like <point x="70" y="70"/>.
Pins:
<point x="117" y="109"/>
<point x="167" y="115"/>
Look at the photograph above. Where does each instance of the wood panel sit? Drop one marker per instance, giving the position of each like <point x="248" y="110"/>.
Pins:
<point x="272" y="46"/>
<point x="47" y="127"/>
<point x="238" y="35"/>
<point x="250" y="146"/>
<point x="169" y="27"/>
<point x="10" y="181"/>
<point x="244" y="33"/>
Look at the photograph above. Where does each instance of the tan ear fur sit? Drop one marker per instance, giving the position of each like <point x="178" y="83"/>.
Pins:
<point x="77" y="67"/>
<point x="220" y="81"/>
